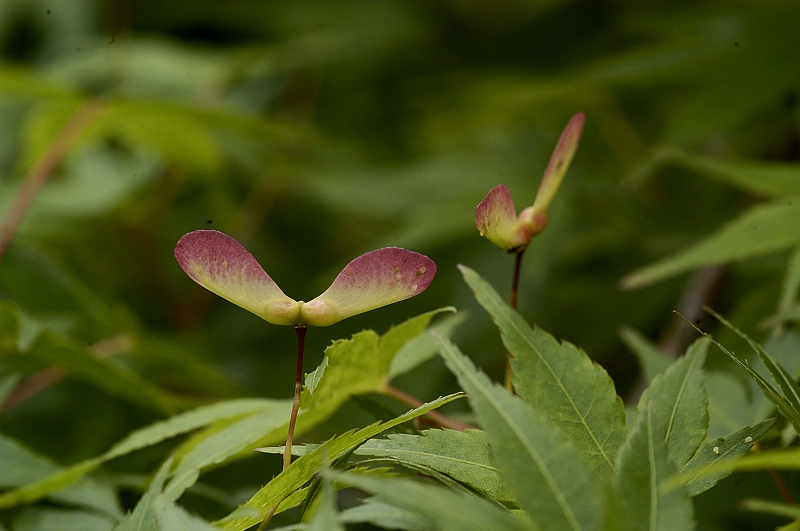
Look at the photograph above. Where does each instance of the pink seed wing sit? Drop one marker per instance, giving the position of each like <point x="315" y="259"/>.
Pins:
<point x="559" y="162"/>
<point x="496" y="219"/>
<point x="223" y="266"/>
<point x="372" y="280"/>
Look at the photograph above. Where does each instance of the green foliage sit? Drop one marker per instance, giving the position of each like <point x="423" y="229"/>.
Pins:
<point x="643" y="464"/>
<point x="550" y="478"/>
<point x="584" y="404"/>
<point x="678" y="400"/>
<point x="314" y="132"/>
<point x="302" y="470"/>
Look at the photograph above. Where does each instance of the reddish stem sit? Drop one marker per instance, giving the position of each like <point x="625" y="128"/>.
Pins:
<point x="435" y="416"/>
<point x="298" y="385"/>
<point x="782" y="488"/>
<point x="44" y="166"/>
<point x="513" y="304"/>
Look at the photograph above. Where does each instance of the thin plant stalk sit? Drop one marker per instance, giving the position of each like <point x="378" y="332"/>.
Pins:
<point x="82" y="118"/>
<point x="513" y="304"/>
<point x="298" y="385"/>
<point x="435" y="416"/>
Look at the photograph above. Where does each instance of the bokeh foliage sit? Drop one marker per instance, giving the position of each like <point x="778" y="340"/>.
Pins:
<point x="313" y="132"/>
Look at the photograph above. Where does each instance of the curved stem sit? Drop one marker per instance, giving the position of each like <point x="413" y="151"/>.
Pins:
<point x="44" y="166"/>
<point x="298" y="385"/>
<point x="513" y="304"/>
<point x="435" y="416"/>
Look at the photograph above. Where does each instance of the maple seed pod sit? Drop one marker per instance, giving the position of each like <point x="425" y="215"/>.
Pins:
<point x="496" y="217"/>
<point x="223" y="266"/>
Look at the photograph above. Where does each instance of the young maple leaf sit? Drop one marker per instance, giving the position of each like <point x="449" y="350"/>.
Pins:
<point x="222" y="265"/>
<point x="496" y="217"/>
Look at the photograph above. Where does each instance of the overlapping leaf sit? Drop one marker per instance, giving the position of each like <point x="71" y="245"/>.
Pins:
<point x="558" y="379"/>
<point x="679" y="401"/>
<point x="464" y="456"/>
<point x="550" y="478"/>
<point x="723" y="449"/>
<point x="642" y="465"/>
<point x="362" y="363"/>
<point x="303" y="469"/>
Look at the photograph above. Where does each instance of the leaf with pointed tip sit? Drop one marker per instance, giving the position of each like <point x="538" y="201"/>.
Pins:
<point x="171" y="517"/>
<point x="679" y="400"/>
<point x="785" y="459"/>
<point x="786" y="382"/>
<point x="462" y="455"/>
<point x="559" y="162"/>
<point x="781" y="402"/>
<point x="550" y="478"/>
<point x="142" y="517"/>
<point x="722" y="449"/>
<point x="374" y="279"/>
<point x="496" y="219"/>
<point x="325" y="517"/>
<point x="223" y="266"/>
<point x="642" y="464"/>
<point x="764" y="228"/>
<point x="303" y="469"/>
<point x="362" y="363"/>
<point x="558" y="379"/>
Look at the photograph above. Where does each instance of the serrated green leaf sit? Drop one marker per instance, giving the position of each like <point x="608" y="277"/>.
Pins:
<point x="362" y="363"/>
<point x="444" y="509"/>
<point x="679" y="400"/>
<point x="723" y="449"/>
<point x="765" y="228"/>
<point x="138" y="439"/>
<point x="768" y="389"/>
<point x="235" y="438"/>
<point x="313" y="378"/>
<point x="786" y="382"/>
<point x="787" y="459"/>
<point x="143" y="517"/>
<point x="558" y="379"/>
<point x="550" y="478"/>
<point x="462" y="455"/>
<point x="303" y="469"/>
<point x="642" y="464"/>
<point x="652" y="361"/>
<point x="423" y="347"/>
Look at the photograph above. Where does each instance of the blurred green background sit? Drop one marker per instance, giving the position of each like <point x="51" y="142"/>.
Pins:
<point x="315" y="131"/>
